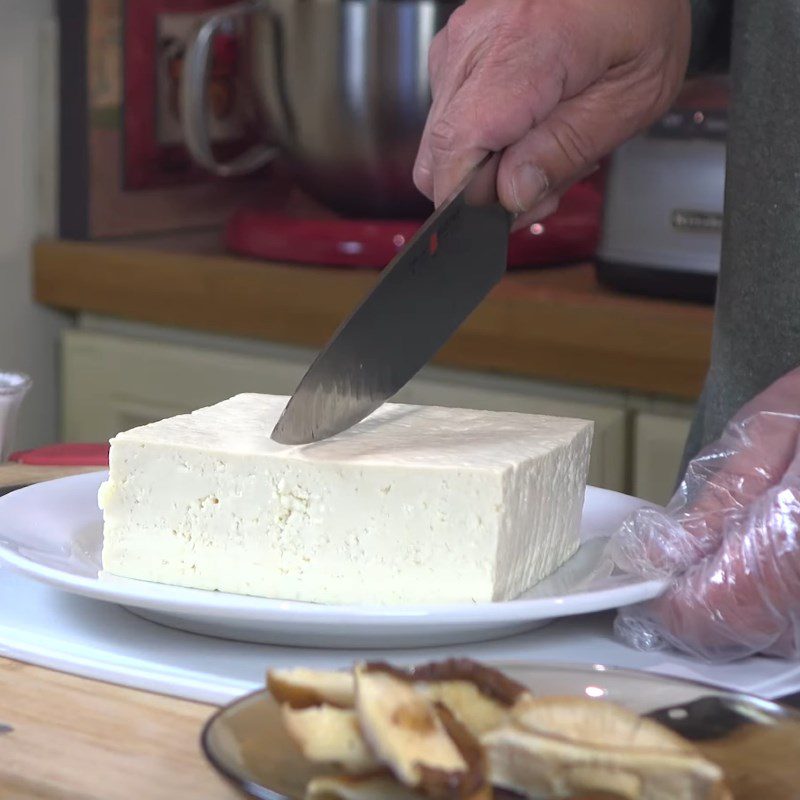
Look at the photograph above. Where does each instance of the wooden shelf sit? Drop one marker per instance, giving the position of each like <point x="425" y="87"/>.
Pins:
<point x="555" y="324"/>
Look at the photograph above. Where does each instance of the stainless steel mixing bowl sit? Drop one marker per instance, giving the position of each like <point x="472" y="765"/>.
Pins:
<point x="341" y="87"/>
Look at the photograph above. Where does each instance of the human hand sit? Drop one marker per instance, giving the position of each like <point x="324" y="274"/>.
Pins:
<point x="730" y="539"/>
<point x="556" y="85"/>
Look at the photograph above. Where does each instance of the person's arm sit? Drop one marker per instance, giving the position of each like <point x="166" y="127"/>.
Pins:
<point x="711" y="36"/>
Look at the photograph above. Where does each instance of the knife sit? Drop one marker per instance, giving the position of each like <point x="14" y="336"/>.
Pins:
<point x="421" y="298"/>
<point x="715" y="717"/>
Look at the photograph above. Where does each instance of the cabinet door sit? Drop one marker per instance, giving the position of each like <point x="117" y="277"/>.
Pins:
<point x="658" y="450"/>
<point x="112" y="383"/>
<point x="608" y="464"/>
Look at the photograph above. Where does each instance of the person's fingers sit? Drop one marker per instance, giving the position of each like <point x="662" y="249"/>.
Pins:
<point x="573" y="79"/>
<point x="549" y="205"/>
<point x="720" y="484"/>
<point x="495" y="78"/>
<point x="441" y="90"/>
<point x="471" y="126"/>
<point x="566" y="144"/>
<point x="540" y="212"/>
<point x="752" y="456"/>
<point x="742" y="599"/>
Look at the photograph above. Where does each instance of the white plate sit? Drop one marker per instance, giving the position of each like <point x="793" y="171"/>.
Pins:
<point x="753" y="740"/>
<point x="53" y="532"/>
<point x="45" y="626"/>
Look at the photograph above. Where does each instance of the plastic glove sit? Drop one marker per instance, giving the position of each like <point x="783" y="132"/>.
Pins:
<point x="730" y="538"/>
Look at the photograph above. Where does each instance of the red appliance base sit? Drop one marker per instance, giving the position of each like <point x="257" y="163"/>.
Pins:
<point x="78" y="454"/>
<point x="571" y="234"/>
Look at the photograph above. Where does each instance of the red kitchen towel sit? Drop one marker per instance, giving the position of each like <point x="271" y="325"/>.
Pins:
<point x="65" y="455"/>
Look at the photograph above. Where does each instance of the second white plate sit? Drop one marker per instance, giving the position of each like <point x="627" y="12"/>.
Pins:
<point x="53" y="532"/>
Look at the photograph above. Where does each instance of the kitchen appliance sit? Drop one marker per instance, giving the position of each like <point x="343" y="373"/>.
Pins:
<point x="340" y="86"/>
<point x="569" y="235"/>
<point x="662" y="219"/>
<point x="435" y="283"/>
<point x="65" y="454"/>
<point x="341" y="93"/>
<point x="13" y="388"/>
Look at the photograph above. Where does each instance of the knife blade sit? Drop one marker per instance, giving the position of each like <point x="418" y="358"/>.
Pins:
<point x="421" y="298"/>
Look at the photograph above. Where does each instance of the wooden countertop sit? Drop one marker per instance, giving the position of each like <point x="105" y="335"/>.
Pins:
<point x="555" y="324"/>
<point x="87" y="740"/>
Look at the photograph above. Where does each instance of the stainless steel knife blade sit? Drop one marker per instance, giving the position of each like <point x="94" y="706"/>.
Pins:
<point x="421" y="298"/>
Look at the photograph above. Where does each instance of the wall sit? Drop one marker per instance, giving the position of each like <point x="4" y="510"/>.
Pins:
<point x="28" y="333"/>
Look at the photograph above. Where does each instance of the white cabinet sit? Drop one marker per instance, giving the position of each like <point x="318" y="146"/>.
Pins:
<point x="117" y="379"/>
<point x="658" y="449"/>
<point x="113" y="382"/>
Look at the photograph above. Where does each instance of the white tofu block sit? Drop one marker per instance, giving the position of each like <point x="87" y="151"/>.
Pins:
<point x="414" y="505"/>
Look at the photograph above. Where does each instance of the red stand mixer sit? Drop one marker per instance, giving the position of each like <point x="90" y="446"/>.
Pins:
<point x="569" y="235"/>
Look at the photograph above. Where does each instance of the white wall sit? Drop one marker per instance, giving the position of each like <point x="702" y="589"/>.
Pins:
<point x="28" y="333"/>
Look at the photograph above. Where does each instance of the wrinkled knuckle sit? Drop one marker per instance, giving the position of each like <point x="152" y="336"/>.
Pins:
<point x="422" y="176"/>
<point x="525" y="84"/>
<point x="489" y="127"/>
<point x="573" y="144"/>
<point x="537" y="97"/>
<point x="443" y="138"/>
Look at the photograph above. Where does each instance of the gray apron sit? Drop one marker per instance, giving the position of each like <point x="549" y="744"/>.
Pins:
<point x="757" y="322"/>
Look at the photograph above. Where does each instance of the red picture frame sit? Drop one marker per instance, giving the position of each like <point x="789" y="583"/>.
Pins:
<point x="148" y="160"/>
<point x="116" y="179"/>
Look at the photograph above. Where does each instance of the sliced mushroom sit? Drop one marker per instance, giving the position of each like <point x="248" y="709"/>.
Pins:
<point x="468" y="704"/>
<point x="330" y="735"/>
<point x="473" y="785"/>
<point x="303" y="688"/>
<point x="368" y="787"/>
<point x="479" y="696"/>
<point x="596" y="722"/>
<point x="410" y="736"/>
<point x="561" y="746"/>
<point x="490" y="682"/>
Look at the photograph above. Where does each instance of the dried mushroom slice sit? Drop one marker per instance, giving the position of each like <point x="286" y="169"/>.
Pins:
<point x="473" y="785"/>
<point x="330" y="735"/>
<point x="596" y="722"/>
<point x="367" y="787"/>
<point x="560" y="747"/>
<point x="490" y="682"/>
<point x="303" y="688"/>
<point x="479" y="696"/>
<point x="410" y="736"/>
<point x="476" y="711"/>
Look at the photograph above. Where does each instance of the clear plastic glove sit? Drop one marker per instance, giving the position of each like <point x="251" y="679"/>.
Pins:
<point x="555" y="85"/>
<point x="730" y="538"/>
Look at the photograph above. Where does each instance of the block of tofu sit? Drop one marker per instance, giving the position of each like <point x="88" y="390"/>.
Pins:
<point x="414" y="505"/>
